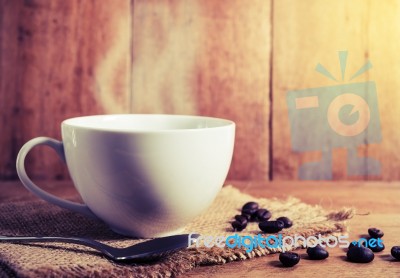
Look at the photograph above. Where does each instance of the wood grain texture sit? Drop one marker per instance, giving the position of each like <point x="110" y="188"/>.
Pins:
<point x="8" y="80"/>
<point x="166" y="41"/>
<point x="383" y="47"/>
<point x="307" y="33"/>
<point x="208" y="58"/>
<point x="59" y="59"/>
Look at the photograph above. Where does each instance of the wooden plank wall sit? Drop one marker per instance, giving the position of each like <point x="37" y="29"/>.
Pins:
<point x="208" y="58"/>
<point x="228" y="59"/>
<point x="309" y="32"/>
<point x="316" y="32"/>
<point x="58" y="59"/>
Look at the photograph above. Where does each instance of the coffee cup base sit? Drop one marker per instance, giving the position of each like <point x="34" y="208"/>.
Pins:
<point x="153" y="235"/>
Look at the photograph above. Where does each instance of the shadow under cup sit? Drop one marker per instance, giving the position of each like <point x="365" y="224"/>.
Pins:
<point x="145" y="175"/>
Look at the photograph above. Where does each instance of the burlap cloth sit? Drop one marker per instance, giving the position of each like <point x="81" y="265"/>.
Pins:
<point x="68" y="260"/>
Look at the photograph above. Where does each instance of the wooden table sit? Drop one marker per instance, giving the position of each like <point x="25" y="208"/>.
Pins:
<point x="377" y="204"/>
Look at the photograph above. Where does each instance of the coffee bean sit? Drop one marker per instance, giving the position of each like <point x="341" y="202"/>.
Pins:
<point x="238" y="226"/>
<point x="286" y="221"/>
<point x="351" y="245"/>
<point x="241" y="218"/>
<point x="360" y="255"/>
<point x="250" y="206"/>
<point x="250" y="209"/>
<point x="263" y="215"/>
<point x="247" y="216"/>
<point x="395" y="251"/>
<point x="375" y="233"/>
<point x="271" y="226"/>
<point x="317" y="253"/>
<point x="289" y="259"/>
<point x="377" y="248"/>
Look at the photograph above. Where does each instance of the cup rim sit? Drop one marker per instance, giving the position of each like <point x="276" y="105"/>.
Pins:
<point x="221" y="123"/>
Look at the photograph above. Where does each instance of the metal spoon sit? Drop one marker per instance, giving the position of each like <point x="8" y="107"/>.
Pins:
<point x="145" y="251"/>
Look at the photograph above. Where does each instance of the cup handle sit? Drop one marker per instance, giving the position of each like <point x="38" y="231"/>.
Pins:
<point x="27" y="182"/>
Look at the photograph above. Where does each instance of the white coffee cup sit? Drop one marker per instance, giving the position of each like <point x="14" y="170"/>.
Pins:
<point x="143" y="175"/>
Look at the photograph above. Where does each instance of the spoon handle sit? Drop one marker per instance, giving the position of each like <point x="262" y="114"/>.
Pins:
<point x="81" y="241"/>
